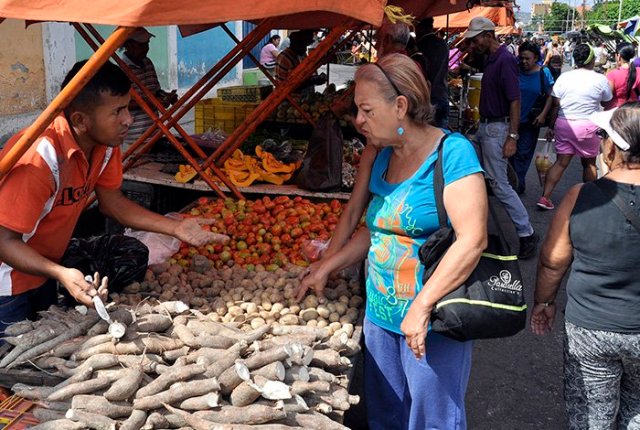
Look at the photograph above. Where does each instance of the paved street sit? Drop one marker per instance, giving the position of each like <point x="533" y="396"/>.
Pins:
<point x="516" y="383"/>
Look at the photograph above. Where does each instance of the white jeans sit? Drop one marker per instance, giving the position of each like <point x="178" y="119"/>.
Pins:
<point x="491" y="138"/>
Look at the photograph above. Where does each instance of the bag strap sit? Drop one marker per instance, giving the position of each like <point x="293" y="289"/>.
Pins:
<point x="542" y="87"/>
<point x="438" y="183"/>
<point x="628" y="213"/>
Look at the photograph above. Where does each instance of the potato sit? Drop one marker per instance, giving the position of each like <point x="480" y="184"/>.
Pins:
<point x="277" y="307"/>
<point x="356" y="302"/>
<point x="310" y="302"/>
<point x="322" y="324"/>
<point x="289" y="319"/>
<point x="309" y="314"/>
<point x="295" y="309"/>
<point x="341" y="308"/>
<point x="323" y="311"/>
<point x="344" y="299"/>
<point x="334" y="317"/>
<point x="257" y="322"/>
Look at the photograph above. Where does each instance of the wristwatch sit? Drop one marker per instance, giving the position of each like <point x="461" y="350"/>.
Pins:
<point x="514" y="136"/>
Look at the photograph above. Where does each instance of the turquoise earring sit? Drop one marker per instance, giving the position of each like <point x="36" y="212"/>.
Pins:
<point x="400" y="131"/>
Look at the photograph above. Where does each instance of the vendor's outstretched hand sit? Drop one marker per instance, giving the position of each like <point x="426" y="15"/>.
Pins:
<point x="313" y="278"/>
<point x="190" y="230"/>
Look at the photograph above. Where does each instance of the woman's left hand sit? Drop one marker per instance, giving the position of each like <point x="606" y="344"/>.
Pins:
<point x="542" y="318"/>
<point x="414" y="326"/>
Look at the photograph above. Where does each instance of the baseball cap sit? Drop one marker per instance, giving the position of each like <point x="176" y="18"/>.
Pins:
<point x="140" y="35"/>
<point x="477" y="25"/>
<point x="603" y="120"/>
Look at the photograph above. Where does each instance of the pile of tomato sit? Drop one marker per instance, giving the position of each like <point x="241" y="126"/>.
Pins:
<point x="268" y="231"/>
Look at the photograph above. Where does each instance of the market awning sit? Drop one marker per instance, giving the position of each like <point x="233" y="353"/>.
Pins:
<point x="134" y="13"/>
<point x="502" y="17"/>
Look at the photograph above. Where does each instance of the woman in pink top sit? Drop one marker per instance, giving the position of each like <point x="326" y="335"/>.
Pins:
<point x="269" y="52"/>
<point x="624" y="80"/>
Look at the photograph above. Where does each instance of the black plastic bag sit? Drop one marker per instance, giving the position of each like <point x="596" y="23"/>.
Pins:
<point x="122" y="258"/>
<point x="322" y="165"/>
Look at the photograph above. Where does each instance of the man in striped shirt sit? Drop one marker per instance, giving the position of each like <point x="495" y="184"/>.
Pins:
<point x="136" y="48"/>
<point x="291" y="57"/>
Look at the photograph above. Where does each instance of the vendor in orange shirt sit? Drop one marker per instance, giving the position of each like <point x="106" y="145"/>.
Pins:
<point x="43" y="195"/>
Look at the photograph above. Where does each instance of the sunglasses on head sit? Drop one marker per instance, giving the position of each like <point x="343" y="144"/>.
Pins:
<point x="602" y="134"/>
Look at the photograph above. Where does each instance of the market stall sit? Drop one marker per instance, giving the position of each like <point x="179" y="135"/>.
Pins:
<point x="282" y="344"/>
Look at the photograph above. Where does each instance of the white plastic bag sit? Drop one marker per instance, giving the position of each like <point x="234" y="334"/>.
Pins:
<point x="545" y="157"/>
<point x="161" y="246"/>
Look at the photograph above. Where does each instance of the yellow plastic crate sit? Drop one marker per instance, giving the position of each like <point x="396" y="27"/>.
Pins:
<point x="218" y="114"/>
<point x="244" y="94"/>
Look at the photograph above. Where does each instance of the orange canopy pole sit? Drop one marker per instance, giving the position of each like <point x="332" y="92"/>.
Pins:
<point x="68" y="93"/>
<point x="300" y="73"/>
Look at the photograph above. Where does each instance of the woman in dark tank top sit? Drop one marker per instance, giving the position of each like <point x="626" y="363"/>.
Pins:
<point x="596" y="234"/>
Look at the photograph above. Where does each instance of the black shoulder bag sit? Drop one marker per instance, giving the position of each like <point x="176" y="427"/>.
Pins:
<point x="490" y="304"/>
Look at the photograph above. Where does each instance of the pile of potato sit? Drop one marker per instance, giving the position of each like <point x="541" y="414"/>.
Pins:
<point x="238" y="363"/>
<point x="250" y="298"/>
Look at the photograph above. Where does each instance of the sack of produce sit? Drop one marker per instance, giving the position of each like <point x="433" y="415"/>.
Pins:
<point x="322" y="165"/>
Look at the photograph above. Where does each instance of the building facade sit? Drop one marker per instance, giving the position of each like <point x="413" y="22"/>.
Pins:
<point x="34" y="60"/>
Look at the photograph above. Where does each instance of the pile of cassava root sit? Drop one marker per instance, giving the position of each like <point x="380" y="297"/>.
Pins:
<point x="169" y="366"/>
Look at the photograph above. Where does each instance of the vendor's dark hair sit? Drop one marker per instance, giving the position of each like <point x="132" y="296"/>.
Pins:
<point x="531" y="47"/>
<point x="109" y="78"/>
<point x="627" y="53"/>
<point x="626" y="121"/>
<point x="274" y="37"/>
<point x="398" y="75"/>
<point x="581" y="54"/>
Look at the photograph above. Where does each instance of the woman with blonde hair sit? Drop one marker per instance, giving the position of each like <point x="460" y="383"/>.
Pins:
<point x="414" y="378"/>
<point x="594" y="234"/>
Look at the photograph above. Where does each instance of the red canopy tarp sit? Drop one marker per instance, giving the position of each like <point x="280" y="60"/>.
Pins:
<point x="134" y="13"/>
<point x="502" y="17"/>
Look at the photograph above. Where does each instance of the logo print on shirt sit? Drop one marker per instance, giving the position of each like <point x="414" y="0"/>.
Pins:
<point x="70" y="195"/>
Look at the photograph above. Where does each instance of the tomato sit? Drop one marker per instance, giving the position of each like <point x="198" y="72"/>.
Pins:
<point x="286" y="239"/>
<point x="296" y="232"/>
<point x="276" y="229"/>
<point x="203" y="201"/>
<point x="241" y="245"/>
<point x="292" y="220"/>
<point x="281" y="199"/>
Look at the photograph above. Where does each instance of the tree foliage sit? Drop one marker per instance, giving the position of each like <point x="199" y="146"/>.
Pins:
<point x="606" y="12"/>
<point x="559" y="18"/>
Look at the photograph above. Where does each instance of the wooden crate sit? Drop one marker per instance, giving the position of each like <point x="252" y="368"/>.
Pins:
<point x="218" y="114"/>
<point x="14" y="414"/>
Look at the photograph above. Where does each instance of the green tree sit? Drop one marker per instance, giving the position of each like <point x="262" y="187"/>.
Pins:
<point x="559" y="18"/>
<point x="606" y="12"/>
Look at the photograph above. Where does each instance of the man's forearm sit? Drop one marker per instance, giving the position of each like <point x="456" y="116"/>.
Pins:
<point x="114" y="204"/>
<point x="23" y="258"/>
